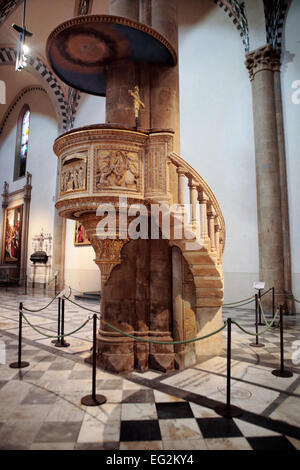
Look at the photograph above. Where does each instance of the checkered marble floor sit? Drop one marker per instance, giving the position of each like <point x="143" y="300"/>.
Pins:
<point x="40" y="405"/>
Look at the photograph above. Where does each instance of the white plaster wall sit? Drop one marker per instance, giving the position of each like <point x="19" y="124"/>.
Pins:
<point x="41" y="161"/>
<point x="81" y="272"/>
<point x="291" y="73"/>
<point x="217" y="131"/>
<point x="91" y="110"/>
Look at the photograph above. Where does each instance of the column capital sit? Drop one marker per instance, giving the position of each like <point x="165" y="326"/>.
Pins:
<point x="180" y="170"/>
<point x="264" y="58"/>
<point x="202" y="198"/>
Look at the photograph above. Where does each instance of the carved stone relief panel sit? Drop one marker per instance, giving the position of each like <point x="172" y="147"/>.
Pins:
<point x="155" y="169"/>
<point x="73" y="176"/>
<point x="117" y="169"/>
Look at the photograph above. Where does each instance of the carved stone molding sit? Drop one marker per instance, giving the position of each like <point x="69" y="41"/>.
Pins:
<point x="264" y="58"/>
<point x="108" y="255"/>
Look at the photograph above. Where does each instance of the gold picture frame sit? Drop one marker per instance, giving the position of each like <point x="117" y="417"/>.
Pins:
<point x="12" y="237"/>
<point x="80" y="236"/>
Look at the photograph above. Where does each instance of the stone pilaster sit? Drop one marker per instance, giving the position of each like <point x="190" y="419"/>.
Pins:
<point x="261" y="65"/>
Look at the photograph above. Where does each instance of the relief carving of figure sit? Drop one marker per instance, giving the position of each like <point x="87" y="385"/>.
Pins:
<point x="73" y="175"/>
<point x="117" y="169"/>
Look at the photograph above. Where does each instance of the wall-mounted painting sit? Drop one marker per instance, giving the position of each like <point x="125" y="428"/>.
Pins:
<point x="13" y="234"/>
<point x="80" y="237"/>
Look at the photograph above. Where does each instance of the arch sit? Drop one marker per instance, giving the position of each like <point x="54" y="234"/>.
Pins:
<point x="65" y="112"/>
<point x="275" y="14"/>
<point x="15" y="101"/>
<point x="237" y="13"/>
<point x="22" y="142"/>
<point x="7" y="8"/>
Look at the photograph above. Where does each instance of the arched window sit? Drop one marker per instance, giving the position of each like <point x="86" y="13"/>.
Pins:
<point x="22" y="142"/>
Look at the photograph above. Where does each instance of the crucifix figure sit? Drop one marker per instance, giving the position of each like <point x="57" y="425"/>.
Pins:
<point x="137" y="102"/>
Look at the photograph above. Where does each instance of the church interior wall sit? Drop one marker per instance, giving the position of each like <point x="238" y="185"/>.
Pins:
<point x="217" y="131"/>
<point x="41" y="162"/>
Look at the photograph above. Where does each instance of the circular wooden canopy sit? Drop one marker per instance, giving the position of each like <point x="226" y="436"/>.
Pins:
<point x="80" y="49"/>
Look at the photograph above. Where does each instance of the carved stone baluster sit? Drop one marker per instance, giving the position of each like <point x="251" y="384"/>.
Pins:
<point x="203" y="201"/>
<point x="193" y="202"/>
<point x="217" y="239"/>
<point x="211" y="228"/>
<point x="181" y="183"/>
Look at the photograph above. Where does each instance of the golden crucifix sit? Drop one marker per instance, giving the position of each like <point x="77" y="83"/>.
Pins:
<point x="137" y="102"/>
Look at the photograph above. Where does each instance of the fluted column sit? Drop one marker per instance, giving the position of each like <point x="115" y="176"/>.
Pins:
<point x="261" y="64"/>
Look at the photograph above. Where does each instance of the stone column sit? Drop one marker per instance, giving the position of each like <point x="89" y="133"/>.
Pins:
<point x="260" y="64"/>
<point x="165" y="81"/>
<point x="283" y="188"/>
<point x="124" y="75"/>
<point x="125" y="8"/>
<point x="164" y="86"/>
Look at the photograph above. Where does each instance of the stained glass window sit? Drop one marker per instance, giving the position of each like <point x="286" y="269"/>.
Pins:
<point x="22" y="142"/>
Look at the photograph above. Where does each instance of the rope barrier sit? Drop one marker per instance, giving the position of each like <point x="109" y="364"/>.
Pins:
<point x="261" y="332"/>
<point x="263" y="314"/>
<point x="81" y="306"/>
<point x="137" y="338"/>
<point x="56" y="336"/>
<point x="46" y="306"/>
<point x="240" y="301"/>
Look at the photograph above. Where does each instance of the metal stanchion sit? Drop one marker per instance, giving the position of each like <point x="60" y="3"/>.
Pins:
<point x="282" y="372"/>
<point x="273" y="306"/>
<point x="20" y="364"/>
<point x="257" y="344"/>
<point x="55" y="285"/>
<point x="61" y="341"/>
<point x="228" y="410"/>
<point x="259" y="309"/>
<point x="56" y="341"/>
<point x="94" y="399"/>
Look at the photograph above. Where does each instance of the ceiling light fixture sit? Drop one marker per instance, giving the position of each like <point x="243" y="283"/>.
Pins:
<point x="21" y="60"/>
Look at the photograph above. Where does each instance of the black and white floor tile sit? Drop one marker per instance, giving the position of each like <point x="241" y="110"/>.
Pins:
<point x="40" y="406"/>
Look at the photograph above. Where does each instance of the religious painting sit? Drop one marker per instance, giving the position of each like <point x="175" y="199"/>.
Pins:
<point x="116" y="168"/>
<point x="13" y="234"/>
<point x="80" y="236"/>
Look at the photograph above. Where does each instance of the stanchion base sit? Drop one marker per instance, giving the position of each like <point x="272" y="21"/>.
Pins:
<point x="58" y="344"/>
<point x="16" y="365"/>
<point x="259" y="345"/>
<point x="88" y="400"/>
<point x="54" y="341"/>
<point x="282" y="373"/>
<point x="228" y="412"/>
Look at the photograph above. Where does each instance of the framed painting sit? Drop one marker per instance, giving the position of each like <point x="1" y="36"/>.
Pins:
<point x="80" y="237"/>
<point x="13" y="234"/>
